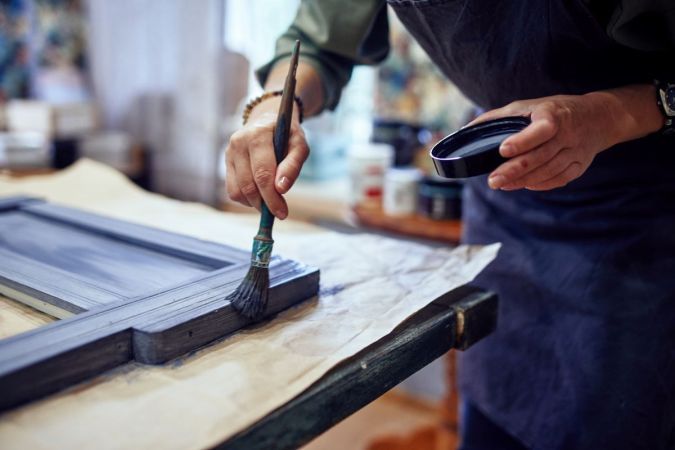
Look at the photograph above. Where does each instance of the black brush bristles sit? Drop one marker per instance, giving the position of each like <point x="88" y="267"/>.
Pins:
<point x="250" y="298"/>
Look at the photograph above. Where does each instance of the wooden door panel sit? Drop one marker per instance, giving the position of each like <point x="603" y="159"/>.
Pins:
<point x="120" y="316"/>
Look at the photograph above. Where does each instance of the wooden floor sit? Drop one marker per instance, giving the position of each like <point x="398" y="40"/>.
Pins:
<point x="395" y="421"/>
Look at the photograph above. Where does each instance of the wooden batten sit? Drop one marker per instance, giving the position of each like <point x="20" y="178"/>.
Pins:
<point x="114" y="326"/>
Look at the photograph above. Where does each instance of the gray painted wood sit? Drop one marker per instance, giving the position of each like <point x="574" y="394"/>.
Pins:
<point x="7" y="203"/>
<point x="185" y="247"/>
<point x="115" y="324"/>
<point x="120" y="267"/>
<point x="102" y="257"/>
<point x="63" y="289"/>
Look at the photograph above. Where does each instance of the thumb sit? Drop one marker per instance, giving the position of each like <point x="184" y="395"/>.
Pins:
<point x="289" y="169"/>
<point x="517" y="108"/>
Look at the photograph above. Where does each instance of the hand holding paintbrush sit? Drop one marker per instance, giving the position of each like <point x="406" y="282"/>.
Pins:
<point x="250" y="298"/>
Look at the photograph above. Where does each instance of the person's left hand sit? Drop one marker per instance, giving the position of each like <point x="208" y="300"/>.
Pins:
<point x="566" y="133"/>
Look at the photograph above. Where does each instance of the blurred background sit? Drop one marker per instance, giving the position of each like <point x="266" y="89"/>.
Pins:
<point x="154" y="88"/>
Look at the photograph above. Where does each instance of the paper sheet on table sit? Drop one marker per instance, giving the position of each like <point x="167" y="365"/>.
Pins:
<point x="369" y="285"/>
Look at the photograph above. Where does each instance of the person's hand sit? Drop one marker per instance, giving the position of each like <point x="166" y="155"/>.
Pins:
<point x="566" y="133"/>
<point x="252" y="171"/>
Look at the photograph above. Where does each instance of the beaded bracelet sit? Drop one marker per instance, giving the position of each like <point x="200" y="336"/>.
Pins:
<point x="264" y="96"/>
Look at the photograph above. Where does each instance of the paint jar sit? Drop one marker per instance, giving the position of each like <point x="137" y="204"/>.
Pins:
<point x="440" y="199"/>
<point x="400" y="191"/>
<point x="406" y="139"/>
<point x="367" y="164"/>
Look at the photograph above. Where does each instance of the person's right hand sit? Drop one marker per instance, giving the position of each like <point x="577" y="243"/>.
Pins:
<point x="252" y="172"/>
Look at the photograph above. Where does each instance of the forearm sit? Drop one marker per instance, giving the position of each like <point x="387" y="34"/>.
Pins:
<point x="631" y="109"/>
<point x="333" y="42"/>
<point x="308" y="85"/>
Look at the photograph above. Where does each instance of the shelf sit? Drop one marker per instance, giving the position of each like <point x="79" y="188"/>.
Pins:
<point x="310" y="201"/>
<point x="415" y="225"/>
<point x="329" y="201"/>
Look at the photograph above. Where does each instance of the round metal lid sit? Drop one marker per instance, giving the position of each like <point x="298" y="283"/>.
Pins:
<point x="474" y="150"/>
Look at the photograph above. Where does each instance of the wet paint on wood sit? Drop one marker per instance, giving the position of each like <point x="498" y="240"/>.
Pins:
<point x="137" y="294"/>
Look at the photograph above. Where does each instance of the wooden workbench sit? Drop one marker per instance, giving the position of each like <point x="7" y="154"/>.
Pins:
<point x="383" y="312"/>
<point x="359" y="380"/>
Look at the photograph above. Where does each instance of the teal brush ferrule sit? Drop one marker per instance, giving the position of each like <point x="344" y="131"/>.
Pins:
<point x="262" y="252"/>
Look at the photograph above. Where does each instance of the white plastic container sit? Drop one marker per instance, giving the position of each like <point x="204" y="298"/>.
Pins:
<point x="400" y="191"/>
<point x="368" y="164"/>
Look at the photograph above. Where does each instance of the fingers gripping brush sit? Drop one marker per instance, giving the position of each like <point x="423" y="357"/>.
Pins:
<point x="250" y="298"/>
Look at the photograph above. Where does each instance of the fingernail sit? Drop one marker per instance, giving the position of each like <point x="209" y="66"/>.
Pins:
<point x="282" y="214"/>
<point x="284" y="183"/>
<point x="506" y="150"/>
<point x="496" y="181"/>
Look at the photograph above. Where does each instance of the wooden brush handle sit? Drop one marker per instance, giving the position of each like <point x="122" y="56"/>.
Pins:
<point x="266" y="221"/>
<point x="282" y="132"/>
<point x="280" y="140"/>
<point x="282" y="129"/>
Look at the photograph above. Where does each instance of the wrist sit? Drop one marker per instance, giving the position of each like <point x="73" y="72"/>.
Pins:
<point x="632" y="111"/>
<point x="665" y="99"/>
<point x="269" y="102"/>
<point x="309" y="86"/>
<point x="267" y="107"/>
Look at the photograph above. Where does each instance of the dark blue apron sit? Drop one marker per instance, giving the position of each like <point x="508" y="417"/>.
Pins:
<point x="584" y="353"/>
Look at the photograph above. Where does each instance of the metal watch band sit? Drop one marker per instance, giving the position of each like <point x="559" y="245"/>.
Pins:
<point x="665" y="99"/>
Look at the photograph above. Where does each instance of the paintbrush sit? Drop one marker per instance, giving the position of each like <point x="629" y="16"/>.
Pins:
<point x="250" y="298"/>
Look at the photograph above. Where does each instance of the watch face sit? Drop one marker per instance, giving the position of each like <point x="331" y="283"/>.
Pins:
<point x="667" y="95"/>
<point x="669" y="99"/>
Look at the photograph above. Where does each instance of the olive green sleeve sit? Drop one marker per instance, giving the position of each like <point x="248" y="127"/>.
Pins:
<point x="335" y="35"/>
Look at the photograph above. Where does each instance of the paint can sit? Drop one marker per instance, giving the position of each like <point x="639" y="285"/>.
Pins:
<point x="406" y="139"/>
<point x="400" y="191"/>
<point x="440" y="199"/>
<point x="368" y="164"/>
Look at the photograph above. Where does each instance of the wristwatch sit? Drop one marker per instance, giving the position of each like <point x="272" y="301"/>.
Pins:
<point x="665" y="98"/>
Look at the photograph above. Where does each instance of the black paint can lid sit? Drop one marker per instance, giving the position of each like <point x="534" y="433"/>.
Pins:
<point x="474" y="150"/>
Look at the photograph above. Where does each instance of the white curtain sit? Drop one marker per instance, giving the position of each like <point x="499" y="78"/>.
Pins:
<point x="268" y="18"/>
<point x="156" y="72"/>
